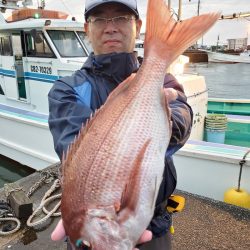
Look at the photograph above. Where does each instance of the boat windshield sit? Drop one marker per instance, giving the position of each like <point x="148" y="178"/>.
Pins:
<point x="85" y="40"/>
<point x="67" y="43"/>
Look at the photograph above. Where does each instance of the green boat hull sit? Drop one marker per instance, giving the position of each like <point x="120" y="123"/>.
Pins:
<point x="238" y="126"/>
<point x="233" y="108"/>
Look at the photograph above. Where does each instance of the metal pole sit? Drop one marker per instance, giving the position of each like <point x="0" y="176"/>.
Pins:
<point x="169" y="4"/>
<point x="198" y="13"/>
<point x="198" y="10"/>
<point x="180" y="10"/>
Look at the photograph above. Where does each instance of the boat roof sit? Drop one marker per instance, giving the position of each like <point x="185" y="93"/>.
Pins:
<point x="32" y="23"/>
<point x="48" y="19"/>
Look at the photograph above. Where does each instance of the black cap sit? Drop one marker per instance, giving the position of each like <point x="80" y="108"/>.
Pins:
<point x="91" y="4"/>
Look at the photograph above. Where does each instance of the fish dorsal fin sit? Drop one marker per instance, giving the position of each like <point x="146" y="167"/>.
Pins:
<point x="131" y="192"/>
<point x="67" y="157"/>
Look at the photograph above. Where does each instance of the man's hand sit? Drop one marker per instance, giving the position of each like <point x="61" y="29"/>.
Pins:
<point x="170" y="94"/>
<point x="59" y="234"/>
<point x="146" y="236"/>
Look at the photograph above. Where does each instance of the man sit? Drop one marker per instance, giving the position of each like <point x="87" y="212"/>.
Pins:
<point x="112" y="28"/>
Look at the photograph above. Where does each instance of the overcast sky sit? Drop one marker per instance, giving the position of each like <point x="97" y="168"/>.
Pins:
<point x="237" y="28"/>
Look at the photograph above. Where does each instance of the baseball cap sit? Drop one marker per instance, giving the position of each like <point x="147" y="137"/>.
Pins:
<point x="91" y="4"/>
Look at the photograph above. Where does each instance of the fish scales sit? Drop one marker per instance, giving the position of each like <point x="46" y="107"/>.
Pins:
<point x="112" y="173"/>
<point x="129" y="144"/>
<point x="107" y="159"/>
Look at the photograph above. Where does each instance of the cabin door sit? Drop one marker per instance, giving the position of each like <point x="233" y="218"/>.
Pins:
<point x="12" y="66"/>
<point x="1" y="69"/>
<point x="18" y="66"/>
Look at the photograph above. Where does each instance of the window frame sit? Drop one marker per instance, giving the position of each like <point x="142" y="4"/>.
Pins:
<point x="45" y="42"/>
<point x="2" y="51"/>
<point x="78" y="39"/>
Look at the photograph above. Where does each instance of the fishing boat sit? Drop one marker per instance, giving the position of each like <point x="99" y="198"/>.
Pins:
<point x="229" y="106"/>
<point x="238" y="115"/>
<point x="243" y="57"/>
<point x="210" y="168"/>
<point x="38" y="47"/>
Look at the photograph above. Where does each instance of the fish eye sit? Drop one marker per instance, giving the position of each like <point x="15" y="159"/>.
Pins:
<point x="82" y="244"/>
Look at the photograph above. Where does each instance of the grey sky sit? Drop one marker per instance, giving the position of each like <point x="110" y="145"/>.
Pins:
<point x="226" y="29"/>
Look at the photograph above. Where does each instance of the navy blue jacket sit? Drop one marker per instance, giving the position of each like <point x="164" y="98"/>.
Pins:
<point x="72" y="100"/>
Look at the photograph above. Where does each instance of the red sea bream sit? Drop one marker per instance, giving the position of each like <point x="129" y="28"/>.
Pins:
<point x="112" y="172"/>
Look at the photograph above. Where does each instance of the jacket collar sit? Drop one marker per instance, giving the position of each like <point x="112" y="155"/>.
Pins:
<point x="117" y="66"/>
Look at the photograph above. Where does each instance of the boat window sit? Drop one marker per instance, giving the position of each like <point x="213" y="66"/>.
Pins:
<point x="67" y="43"/>
<point x="36" y="45"/>
<point x="85" y="40"/>
<point x="1" y="47"/>
<point x="1" y="90"/>
<point x="139" y="45"/>
<point x="6" y="46"/>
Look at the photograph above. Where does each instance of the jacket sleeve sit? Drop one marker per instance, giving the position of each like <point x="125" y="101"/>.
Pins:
<point x="67" y="113"/>
<point x="181" y="116"/>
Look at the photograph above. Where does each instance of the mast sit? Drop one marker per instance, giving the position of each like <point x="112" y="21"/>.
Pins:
<point x="198" y="8"/>
<point x="180" y="10"/>
<point x="12" y="4"/>
<point x="169" y="4"/>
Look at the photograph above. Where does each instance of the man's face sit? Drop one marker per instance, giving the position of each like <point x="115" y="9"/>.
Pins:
<point x="111" y="36"/>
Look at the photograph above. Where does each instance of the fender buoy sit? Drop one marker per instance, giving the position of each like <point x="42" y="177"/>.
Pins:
<point x="237" y="197"/>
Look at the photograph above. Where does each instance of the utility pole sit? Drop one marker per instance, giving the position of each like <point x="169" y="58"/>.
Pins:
<point x="180" y="10"/>
<point x="198" y="8"/>
<point x="169" y="4"/>
<point x="198" y="13"/>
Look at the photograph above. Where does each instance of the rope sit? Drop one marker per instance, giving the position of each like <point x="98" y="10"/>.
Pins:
<point x="18" y="225"/>
<point x="242" y="162"/>
<point x="44" y="201"/>
<point x="7" y="214"/>
<point x="50" y="199"/>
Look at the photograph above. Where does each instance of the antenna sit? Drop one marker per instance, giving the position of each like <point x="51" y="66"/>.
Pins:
<point x="12" y="4"/>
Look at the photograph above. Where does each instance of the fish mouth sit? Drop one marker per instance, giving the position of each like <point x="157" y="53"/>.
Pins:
<point x="86" y="244"/>
<point x="83" y="244"/>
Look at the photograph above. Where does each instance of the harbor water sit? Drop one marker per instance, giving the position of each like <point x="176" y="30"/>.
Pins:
<point x="11" y="171"/>
<point x="223" y="81"/>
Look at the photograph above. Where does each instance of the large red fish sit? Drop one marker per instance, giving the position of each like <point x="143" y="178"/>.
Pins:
<point x="112" y="173"/>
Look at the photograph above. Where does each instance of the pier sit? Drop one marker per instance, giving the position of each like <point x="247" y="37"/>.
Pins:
<point x="203" y="224"/>
<point x="196" y="56"/>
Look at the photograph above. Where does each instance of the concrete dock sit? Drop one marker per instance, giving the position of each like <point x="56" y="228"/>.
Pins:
<point x="203" y="224"/>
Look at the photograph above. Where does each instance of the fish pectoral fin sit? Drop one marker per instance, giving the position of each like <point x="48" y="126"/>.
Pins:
<point x="131" y="191"/>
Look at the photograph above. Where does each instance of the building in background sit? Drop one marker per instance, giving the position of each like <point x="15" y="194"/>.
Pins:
<point x="237" y="44"/>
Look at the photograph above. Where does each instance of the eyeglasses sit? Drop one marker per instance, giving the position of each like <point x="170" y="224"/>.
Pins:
<point x="101" y="22"/>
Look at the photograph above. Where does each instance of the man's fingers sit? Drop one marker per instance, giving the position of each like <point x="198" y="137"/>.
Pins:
<point x="59" y="232"/>
<point x="146" y="236"/>
<point x="171" y="94"/>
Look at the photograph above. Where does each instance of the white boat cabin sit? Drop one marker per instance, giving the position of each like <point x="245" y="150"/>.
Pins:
<point x="34" y="52"/>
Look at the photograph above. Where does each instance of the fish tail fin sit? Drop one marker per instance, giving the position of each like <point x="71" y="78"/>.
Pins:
<point x="168" y="38"/>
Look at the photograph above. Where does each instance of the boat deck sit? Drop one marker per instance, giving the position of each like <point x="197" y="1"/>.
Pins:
<point x="238" y="118"/>
<point x="221" y="152"/>
<point x="204" y="224"/>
